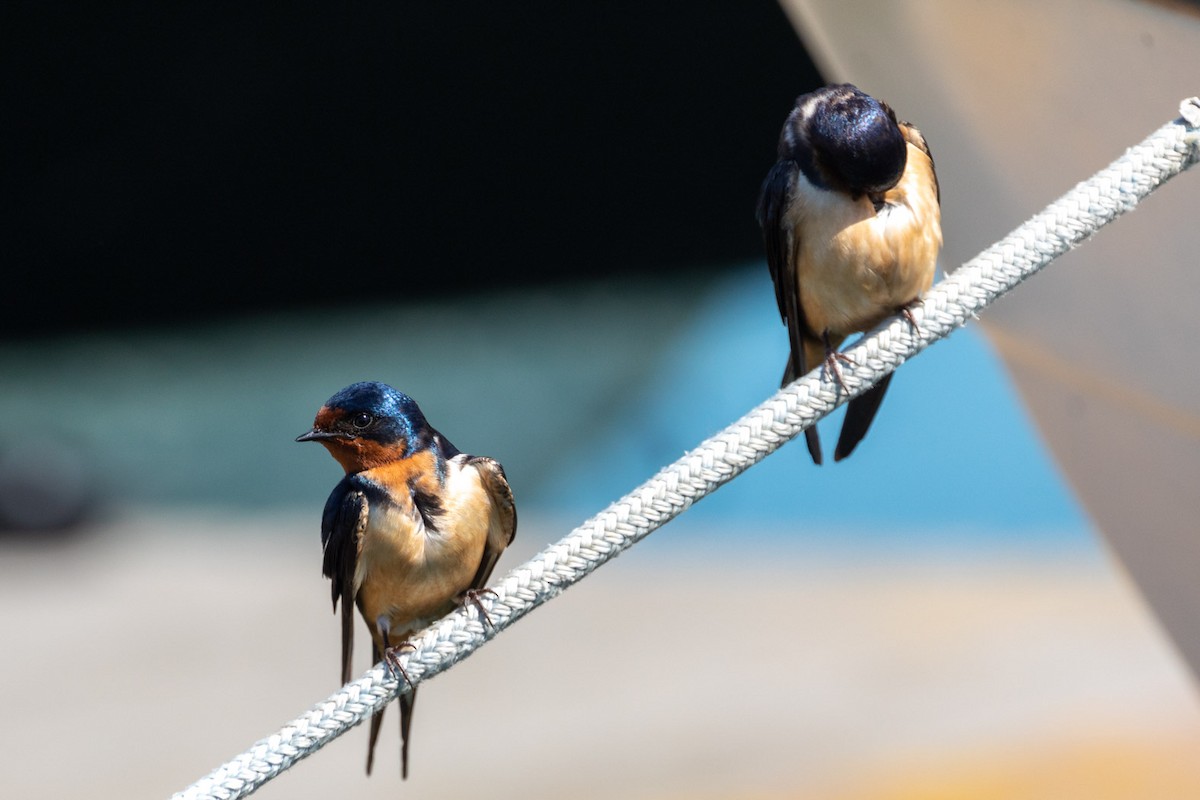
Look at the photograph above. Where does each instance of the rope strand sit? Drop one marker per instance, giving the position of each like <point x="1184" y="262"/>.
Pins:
<point x="1063" y="225"/>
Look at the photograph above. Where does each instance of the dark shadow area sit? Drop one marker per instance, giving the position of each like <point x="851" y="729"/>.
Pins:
<point x="189" y="161"/>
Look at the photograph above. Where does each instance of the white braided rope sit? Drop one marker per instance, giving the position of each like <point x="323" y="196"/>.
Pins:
<point x="1063" y="225"/>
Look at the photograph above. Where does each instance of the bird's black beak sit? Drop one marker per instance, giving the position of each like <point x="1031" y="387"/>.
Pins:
<point x="316" y="435"/>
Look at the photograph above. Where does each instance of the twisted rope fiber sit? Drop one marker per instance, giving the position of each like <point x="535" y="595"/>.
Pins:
<point x="1063" y="225"/>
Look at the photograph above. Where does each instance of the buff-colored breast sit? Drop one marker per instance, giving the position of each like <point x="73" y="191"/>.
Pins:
<point x="854" y="266"/>
<point x="412" y="574"/>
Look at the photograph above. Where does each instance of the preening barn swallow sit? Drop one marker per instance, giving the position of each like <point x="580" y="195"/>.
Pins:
<point x="851" y="221"/>
<point x="413" y="529"/>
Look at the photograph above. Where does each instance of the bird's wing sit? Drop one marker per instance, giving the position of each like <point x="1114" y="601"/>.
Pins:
<point x="780" y="243"/>
<point x="342" y="526"/>
<point x="502" y="522"/>
<point x="914" y="137"/>
<point x="777" y="239"/>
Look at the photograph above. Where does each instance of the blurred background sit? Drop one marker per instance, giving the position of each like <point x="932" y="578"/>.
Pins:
<point x="538" y="221"/>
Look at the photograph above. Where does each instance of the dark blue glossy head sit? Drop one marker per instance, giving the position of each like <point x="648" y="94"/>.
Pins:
<point x="370" y="412"/>
<point x="855" y="140"/>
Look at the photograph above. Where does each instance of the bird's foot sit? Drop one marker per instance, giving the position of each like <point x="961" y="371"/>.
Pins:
<point x="832" y="357"/>
<point x="391" y="657"/>
<point x="906" y="312"/>
<point x="472" y="596"/>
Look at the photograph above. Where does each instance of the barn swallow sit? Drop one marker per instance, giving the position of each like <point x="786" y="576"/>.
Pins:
<point x="851" y="221"/>
<point x="413" y="529"/>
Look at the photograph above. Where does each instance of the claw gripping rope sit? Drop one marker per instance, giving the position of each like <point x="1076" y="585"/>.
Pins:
<point x="1064" y="224"/>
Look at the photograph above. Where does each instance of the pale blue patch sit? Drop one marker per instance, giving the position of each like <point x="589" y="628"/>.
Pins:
<point x="952" y="453"/>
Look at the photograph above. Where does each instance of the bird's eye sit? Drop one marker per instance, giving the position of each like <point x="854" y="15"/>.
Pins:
<point x="361" y="420"/>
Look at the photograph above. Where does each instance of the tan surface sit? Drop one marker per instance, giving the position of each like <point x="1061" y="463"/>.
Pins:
<point x="1107" y="768"/>
<point x="144" y="656"/>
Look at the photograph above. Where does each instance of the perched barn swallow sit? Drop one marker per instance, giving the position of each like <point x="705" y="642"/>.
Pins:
<point x="413" y="530"/>
<point x="851" y="220"/>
